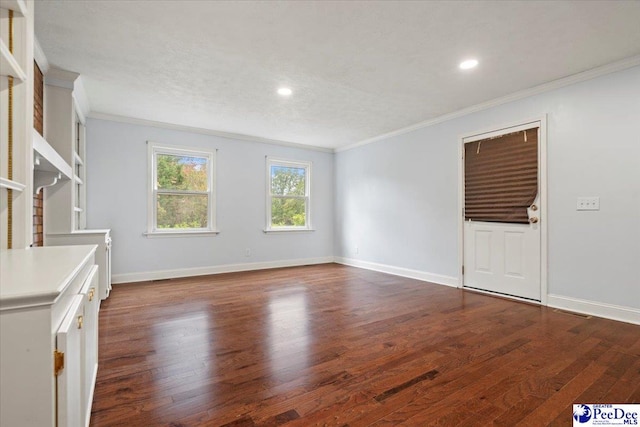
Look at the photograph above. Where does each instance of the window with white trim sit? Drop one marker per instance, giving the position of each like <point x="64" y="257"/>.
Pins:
<point x="288" y="195"/>
<point x="181" y="195"/>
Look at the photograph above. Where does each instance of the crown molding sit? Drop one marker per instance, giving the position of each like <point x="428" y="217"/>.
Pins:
<point x="545" y="87"/>
<point x="81" y="99"/>
<point x="72" y="81"/>
<point x="60" y="78"/>
<point x="143" y="122"/>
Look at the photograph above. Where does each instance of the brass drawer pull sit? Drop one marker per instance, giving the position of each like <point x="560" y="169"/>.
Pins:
<point x="80" y="321"/>
<point x="91" y="293"/>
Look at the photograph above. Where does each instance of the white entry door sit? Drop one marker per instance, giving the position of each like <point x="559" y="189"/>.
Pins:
<point x="503" y="255"/>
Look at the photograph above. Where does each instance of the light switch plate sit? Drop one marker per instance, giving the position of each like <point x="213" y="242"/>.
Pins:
<point x="588" y="204"/>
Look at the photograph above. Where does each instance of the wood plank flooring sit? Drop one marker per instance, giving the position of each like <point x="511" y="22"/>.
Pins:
<point x="331" y="345"/>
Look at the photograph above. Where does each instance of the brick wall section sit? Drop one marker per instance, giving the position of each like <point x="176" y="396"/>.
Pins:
<point x="38" y="232"/>
<point x="38" y="99"/>
<point x="38" y="124"/>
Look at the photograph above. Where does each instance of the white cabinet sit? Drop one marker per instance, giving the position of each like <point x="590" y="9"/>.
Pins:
<point x="48" y="336"/>
<point x="77" y="339"/>
<point x="102" y="238"/>
<point x="69" y="343"/>
<point x="89" y="343"/>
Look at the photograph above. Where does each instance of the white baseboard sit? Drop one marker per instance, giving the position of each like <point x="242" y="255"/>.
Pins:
<point x="218" y="269"/>
<point x="399" y="271"/>
<point x="599" y="309"/>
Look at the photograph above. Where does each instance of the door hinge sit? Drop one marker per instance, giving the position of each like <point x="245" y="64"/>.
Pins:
<point x="58" y="362"/>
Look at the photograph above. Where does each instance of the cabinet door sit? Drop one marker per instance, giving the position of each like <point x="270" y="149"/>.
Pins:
<point x="90" y="293"/>
<point x="69" y="380"/>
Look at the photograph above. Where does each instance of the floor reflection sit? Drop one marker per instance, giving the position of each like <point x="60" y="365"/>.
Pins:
<point x="192" y="331"/>
<point x="288" y="333"/>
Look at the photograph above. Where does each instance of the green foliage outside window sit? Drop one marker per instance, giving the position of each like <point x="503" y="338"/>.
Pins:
<point x="288" y="202"/>
<point x="175" y="175"/>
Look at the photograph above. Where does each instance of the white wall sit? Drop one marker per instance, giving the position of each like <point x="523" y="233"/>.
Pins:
<point x="397" y="199"/>
<point x="117" y="199"/>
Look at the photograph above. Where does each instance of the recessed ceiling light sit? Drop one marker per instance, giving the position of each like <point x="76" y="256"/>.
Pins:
<point x="284" y="91"/>
<point x="468" y="64"/>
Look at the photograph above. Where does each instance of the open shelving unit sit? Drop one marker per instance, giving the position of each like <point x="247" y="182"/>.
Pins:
<point x="16" y="121"/>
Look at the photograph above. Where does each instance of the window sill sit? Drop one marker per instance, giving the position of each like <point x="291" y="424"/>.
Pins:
<point x="288" y="230"/>
<point x="162" y="234"/>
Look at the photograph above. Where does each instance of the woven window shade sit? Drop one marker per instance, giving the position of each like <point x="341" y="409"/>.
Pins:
<point x="501" y="177"/>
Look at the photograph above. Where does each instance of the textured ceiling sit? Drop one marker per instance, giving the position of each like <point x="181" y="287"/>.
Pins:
<point x="357" y="69"/>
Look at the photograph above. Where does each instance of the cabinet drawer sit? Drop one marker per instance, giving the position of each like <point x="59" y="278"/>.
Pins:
<point x="59" y="309"/>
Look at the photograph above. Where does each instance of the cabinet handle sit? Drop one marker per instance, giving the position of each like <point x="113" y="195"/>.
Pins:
<point x="92" y="292"/>
<point x="80" y="321"/>
<point x="58" y="362"/>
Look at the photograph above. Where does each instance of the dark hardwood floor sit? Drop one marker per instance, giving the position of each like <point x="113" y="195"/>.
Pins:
<point x="335" y="345"/>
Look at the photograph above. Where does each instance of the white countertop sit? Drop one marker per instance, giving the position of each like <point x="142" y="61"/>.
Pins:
<point x="36" y="276"/>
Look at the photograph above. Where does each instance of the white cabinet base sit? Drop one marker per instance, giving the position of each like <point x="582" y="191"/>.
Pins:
<point x="46" y="306"/>
<point x="102" y="238"/>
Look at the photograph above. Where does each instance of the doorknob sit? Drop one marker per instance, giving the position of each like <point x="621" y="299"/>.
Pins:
<point x="533" y="220"/>
<point x="533" y="208"/>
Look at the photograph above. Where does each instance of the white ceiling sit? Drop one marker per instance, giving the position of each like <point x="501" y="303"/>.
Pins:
<point x="357" y="69"/>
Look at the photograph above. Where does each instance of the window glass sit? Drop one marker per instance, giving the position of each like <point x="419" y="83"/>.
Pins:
<point x="288" y="195"/>
<point x="181" y="194"/>
<point x="181" y="172"/>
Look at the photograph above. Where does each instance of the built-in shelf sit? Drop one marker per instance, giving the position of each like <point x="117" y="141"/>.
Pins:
<point x="48" y="159"/>
<point x="77" y="209"/>
<point x="9" y="65"/>
<point x="78" y="159"/>
<point x="11" y="185"/>
<point x="77" y="179"/>
<point x="18" y="6"/>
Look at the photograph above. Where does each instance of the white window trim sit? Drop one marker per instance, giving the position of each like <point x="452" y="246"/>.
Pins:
<point x="152" y="150"/>
<point x="272" y="161"/>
